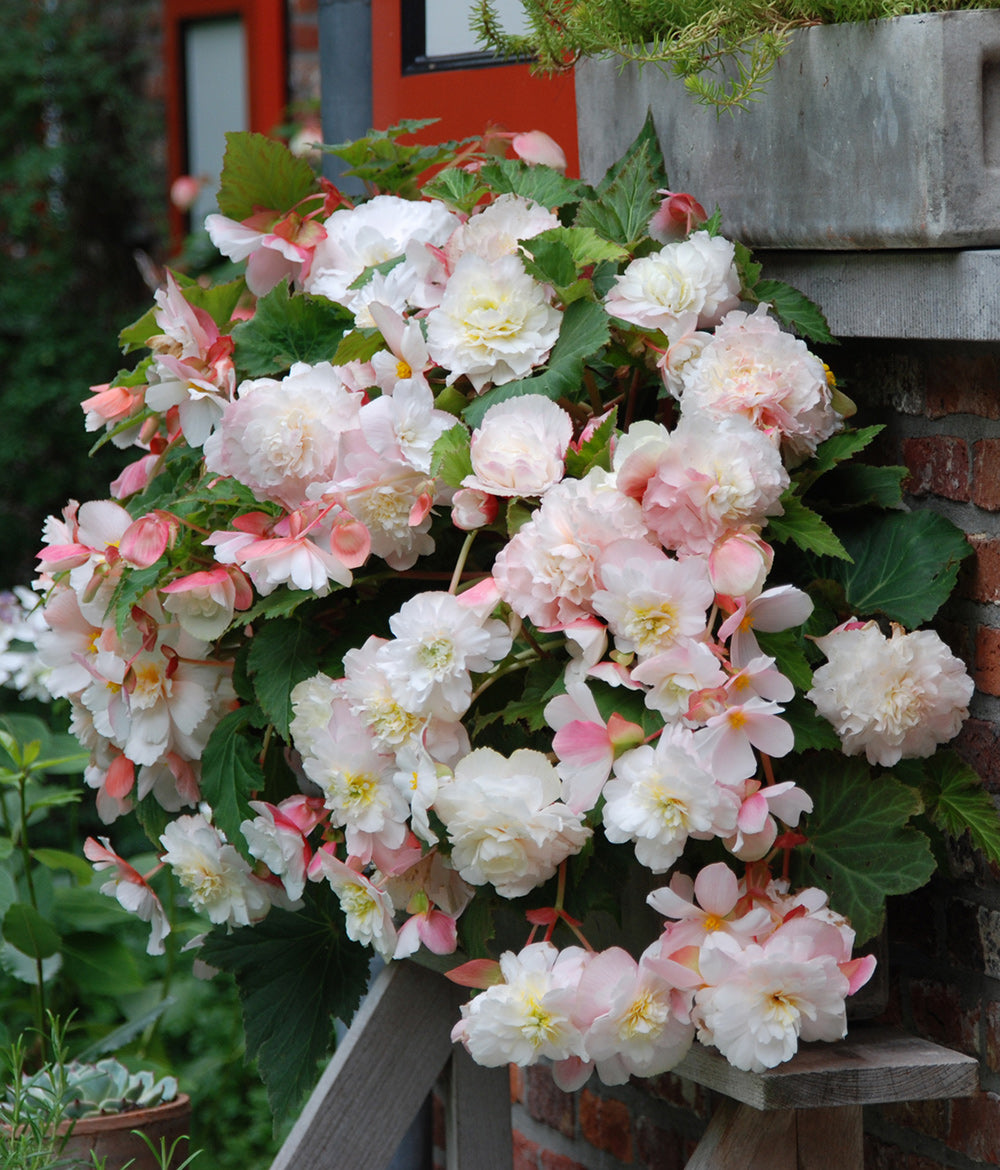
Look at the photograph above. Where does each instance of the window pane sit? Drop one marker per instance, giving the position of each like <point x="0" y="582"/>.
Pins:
<point x="448" y="25"/>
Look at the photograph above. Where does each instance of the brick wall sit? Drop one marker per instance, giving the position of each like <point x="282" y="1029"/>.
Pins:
<point x="941" y="406"/>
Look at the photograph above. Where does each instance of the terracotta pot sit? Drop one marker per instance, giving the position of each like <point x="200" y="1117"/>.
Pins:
<point x="112" y="1137"/>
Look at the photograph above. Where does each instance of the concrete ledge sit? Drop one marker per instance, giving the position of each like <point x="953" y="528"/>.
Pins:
<point x="935" y="295"/>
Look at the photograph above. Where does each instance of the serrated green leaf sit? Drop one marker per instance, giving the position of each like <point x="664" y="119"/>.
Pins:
<point x="805" y="528"/>
<point x="585" y="330"/>
<point x="295" y="974"/>
<point x="539" y="681"/>
<point x="79" y="867"/>
<point x="280" y="603"/>
<point x="796" y="310"/>
<point x="286" y="329"/>
<point x="788" y="651"/>
<point x="905" y="566"/>
<point x="135" y="336"/>
<point x="33" y="935"/>
<point x="859" y="485"/>
<point x="546" y="186"/>
<point x="957" y="802"/>
<point x="628" y="196"/>
<point x="231" y="773"/>
<point x="358" y="346"/>
<point x="259" y="173"/>
<point x="450" y="460"/>
<point x="860" y="847"/>
<point x="132" y="587"/>
<point x="476" y="929"/>
<point x="283" y="652"/>
<point x="595" y="452"/>
<point x="843" y="445"/>
<point x="458" y="188"/>
<point x="811" y="730"/>
<point x="550" y="262"/>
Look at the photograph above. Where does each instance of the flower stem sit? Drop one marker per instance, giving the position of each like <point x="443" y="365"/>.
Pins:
<point x="463" y="556"/>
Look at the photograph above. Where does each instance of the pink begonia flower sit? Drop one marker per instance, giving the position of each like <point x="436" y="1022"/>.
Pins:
<point x="585" y="745"/>
<point x="664" y="793"/>
<point x="633" y="1020"/>
<point x="146" y="539"/>
<point x="184" y="190"/>
<point x="535" y="146"/>
<point x="431" y="928"/>
<point x="112" y="775"/>
<point x="678" y="215"/>
<point x="498" y="228"/>
<point x="774" y="610"/>
<point x="649" y="600"/>
<point x="405" y="424"/>
<point x="734" y="732"/>
<point x="135" y="477"/>
<point x="110" y="406"/>
<point x="367" y="909"/>
<point x="131" y="890"/>
<point x="678" y="673"/>
<point x="891" y="698"/>
<point x="756" y="828"/>
<point x="218" y="881"/>
<point x="277" y="245"/>
<point x="506" y="820"/>
<point x="406" y="359"/>
<point x="198" y="387"/>
<point x="66" y="646"/>
<point x="530" y="1015"/>
<point x="739" y="564"/>
<point x="519" y="448"/>
<point x="277" y="836"/>
<point x="688" y="284"/>
<point x="472" y="509"/>
<point x="204" y="602"/>
<point x="710" y="903"/>
<point x="548" y="571"/>
<point x="761" y="1000"/>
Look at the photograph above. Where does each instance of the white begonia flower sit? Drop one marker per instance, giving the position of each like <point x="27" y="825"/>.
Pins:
<point x="496" y="230"/>
<point x="506" y="820"/>
<point x="530" y="1015"/>
<point x="494" y="323"/>
<point x="280" y="436"/>
<point x="367" y="908"/>
<point x="218" y="881"/>
<point x="686" y="285"/>
<point x="371" y="233"/>
<point x="663" y="794"/>
<point x="437" y="642"/>
<point x="890" y="697"/>
<point x="519" y="448"/>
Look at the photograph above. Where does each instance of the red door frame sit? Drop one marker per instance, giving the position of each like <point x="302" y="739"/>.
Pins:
<point x="267" y="72"/>
<point x="466" y="101"/>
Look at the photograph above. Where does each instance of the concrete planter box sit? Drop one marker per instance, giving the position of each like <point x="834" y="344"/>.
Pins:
<point x="879" y="135"/>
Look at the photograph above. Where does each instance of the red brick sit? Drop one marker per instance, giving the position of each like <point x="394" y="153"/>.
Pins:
<point x="979" y="579"/>
<point x="547" y="1103"/>
<point x="964" y="384"/>
<point x="939" y="465"/>
<point x="656" y="1148"/>
<point x="965" y="944"/>
<point x="975" y="1127"/>
<point x="516" y="1084"/>
<point x="977" y="744"/>
<point x="992" y="1032"/>
<point x="525" y="1152"/>
<point x="552" y="1161"/>
<point x="938" y="1014"/>
<point x="986" y="474"/>
<point x="606" y="1124"/>
<point x="678" y="1091"/>
<point x="987" y="672"/>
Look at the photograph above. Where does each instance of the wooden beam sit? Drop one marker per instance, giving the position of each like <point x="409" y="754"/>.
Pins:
<point x="380" y="1074"/>
<point x="871" y="1066"/>
<point x="477" y="1117"/>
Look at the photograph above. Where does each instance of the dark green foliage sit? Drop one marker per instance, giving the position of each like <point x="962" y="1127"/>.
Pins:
<point x="75" y="188"/>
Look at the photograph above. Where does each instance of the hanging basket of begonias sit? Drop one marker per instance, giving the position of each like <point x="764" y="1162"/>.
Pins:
<point x="496" y="546"/>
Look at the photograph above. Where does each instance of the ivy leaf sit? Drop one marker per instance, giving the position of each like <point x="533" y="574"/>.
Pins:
<point x="585" y="330"/>
<point x="259" y="173"/>
<point x="860" y="847"/>
<point x="286" y="329"/>
<point x="796" y="310"/>
<point x="283" y="652"/>
<point x="545" y="185"/>
<point x="296" y="972"/>
<point x="957" y="802"/>
<point x="230" y="772"/>
<point x="905" y="565"/>
<point x="33" y="935"/>
<point x="451" y="461"/>
<point x="805" y="528"/>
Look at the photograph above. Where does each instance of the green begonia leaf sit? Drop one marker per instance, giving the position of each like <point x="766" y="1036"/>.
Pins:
<point x="628" y="196"/>
<point x="287" y="329"/>
<point x="458" y="188"/>
<point x="78" y="866"/>
<point x="957" y="802"/>
<point x="805" y="528"/>
<point x="451" y="461"/>
<point x="295" y="974"/>
<point x="231" y="773"/>
<point x="283" y="652"/>
<point x="860" y="847"/>
<point x="543" y="184"/>
<point x="261" y="174"/>
<point x="33" y="935"/>
<point x="795" y="309"/>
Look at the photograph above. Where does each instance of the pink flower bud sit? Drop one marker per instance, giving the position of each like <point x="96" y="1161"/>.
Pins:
<point x="535" y="146"/>
<point x="145" y="541"/>
<point x="678" y="216"/>
<point x="739" y="565"/>
<point x="184" y="190"/>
